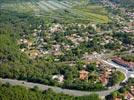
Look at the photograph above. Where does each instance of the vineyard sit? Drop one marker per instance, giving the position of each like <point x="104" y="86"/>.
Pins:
<point x="63" y="9"/>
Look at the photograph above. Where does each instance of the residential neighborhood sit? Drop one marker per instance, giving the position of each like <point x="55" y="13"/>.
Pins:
<point x="67" y="50"/>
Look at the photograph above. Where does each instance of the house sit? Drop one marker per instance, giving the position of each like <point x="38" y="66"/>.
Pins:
<point x="60" y="78"/>
<point x="35" y="30"/>
<point x="131" y="24"/>
<point x="56" y="50"/>
<point x="132" y="89"/>
<point x="128" y="96"/>
<point x="29" y="43"/>
<point x="56" y="47"/>
<point x="34" y="34"/>
<point x="103" y="79"/>
<point x="56" y="28"/>
<point x="94" y="26"/>
<point x="66" y="47"/>
<point x="83" y="75"/>
<point x="87" y="57"/>
<point x="33" y="54"/>
<point x="22" y="41"/>
<point x="22" y="50"/>
<point x="26" y="42"/>
<point x="117" y="98"/>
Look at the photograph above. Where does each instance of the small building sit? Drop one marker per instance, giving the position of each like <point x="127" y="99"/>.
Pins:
<point x="103" y="79"/>
<point x="60" y="78"/>
<point x="132" y="89"/>
<point x="33" y="54"/>
<point x="83" y="75"/>
<point x="128" y="96"/>
<point x="56" y="28"/>
<point x="117" y="98"/>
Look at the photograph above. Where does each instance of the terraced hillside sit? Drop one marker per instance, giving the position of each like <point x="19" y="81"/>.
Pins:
<point x="81" y="10"/>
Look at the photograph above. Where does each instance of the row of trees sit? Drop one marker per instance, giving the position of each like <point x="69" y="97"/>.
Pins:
<point x="129" y="58"/>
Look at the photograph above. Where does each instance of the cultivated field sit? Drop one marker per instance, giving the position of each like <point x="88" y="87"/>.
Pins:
<point x="46" y="5"/>
<point x="61" y="9"/>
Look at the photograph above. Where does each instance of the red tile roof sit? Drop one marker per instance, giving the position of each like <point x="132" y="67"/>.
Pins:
<point x="83" y="74"/>
<point x="121" y="61"/>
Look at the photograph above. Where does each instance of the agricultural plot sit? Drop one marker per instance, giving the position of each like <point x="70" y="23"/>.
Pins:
<point x="94" y="13"/>
<point x="61" y="9"/>
<point x="46" y="5"/>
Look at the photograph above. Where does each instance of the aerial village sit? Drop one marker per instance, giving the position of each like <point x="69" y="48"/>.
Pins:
<point x="57" y="41"/>
<point x="44" y="43"/>
<point x="70" y="55"/>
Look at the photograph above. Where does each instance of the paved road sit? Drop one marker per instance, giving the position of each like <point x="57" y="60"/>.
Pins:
<point x="127" y="73"/>
<point x="57" y="89"/>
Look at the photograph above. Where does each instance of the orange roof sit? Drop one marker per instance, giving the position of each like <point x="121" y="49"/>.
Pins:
<point x="117" y="98"/>
<point x="103" y="79"/>
<point x="128" y="95"/>
<point x="83" y="74"/>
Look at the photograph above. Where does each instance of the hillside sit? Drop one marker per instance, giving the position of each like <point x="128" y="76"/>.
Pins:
<point x="69" y="10"/>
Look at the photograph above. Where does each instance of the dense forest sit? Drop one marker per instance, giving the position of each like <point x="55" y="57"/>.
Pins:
<point x="8" y="92"/>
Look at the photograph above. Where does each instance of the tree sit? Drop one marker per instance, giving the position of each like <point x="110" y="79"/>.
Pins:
<point x="117" y="77"/>
<point x="122" y="90"/>
<point x="113" y="46"/>
<point x="91" y="67"/>
<point x="114" y="94"/>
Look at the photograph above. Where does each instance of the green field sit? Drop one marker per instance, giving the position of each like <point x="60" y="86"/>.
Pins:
<point x="65" y="10"/>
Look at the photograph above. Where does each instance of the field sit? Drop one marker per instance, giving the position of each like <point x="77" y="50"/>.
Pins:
<point x="69" y="10"/>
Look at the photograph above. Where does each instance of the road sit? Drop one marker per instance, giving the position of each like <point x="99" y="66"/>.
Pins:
<point x="73" y="92"/>
<point x="57" y="89"/>
<point x="127" y="73"/>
